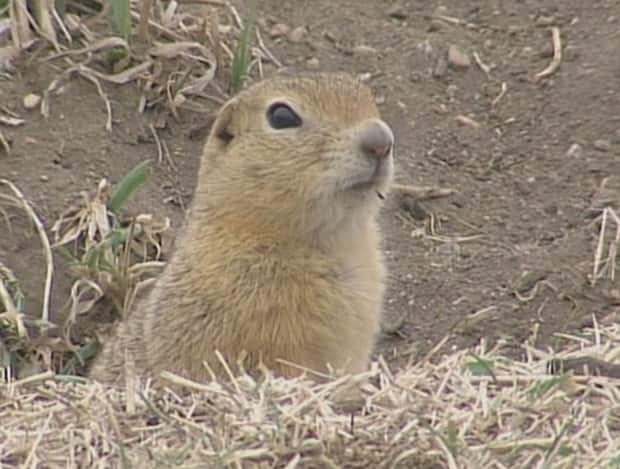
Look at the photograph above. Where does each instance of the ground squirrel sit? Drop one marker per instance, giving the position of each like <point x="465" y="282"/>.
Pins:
<point x="279" y="258"/>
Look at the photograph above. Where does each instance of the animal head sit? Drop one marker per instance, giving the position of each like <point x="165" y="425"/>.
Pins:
<point x="310" y="150"/>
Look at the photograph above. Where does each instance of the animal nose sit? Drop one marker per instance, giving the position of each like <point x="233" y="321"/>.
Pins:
<point x="376" y="139"/>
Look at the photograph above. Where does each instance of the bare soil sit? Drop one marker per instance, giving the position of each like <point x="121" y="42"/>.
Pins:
<point x="514" y="244"/>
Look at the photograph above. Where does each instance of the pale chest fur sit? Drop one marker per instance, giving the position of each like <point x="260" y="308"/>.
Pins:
<point x="310" y="308"/>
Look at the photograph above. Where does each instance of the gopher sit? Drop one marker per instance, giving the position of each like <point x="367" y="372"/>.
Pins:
<point x="279" y="261"/>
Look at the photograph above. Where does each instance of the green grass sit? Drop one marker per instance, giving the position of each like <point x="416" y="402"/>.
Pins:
<point x="131" y="183"/>
<point x="121" y="14"/>
<point x="242" y="56"/>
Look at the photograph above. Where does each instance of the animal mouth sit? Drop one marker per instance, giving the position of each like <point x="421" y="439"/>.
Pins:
<point x="375" y="182"/>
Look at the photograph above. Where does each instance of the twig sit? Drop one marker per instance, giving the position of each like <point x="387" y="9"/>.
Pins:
<point x="557" y="55"/>
<point x="30" y="460"/>
<point x="105" y="43"/>
<point x="484" y="67"/>
<point x="263" y="48"/>
<point x="34" y="379"/>
<point x="120" y="78"/>
<point x="584" y="366"/>
<point x="450" y="19"/>
<point x="168" y="157"/>
<point x="86" y="74"/>
<point x="162" y="149"/>
<point x="184" y="382"/>
<point x="143" y="25"/>
<point x="235" y="15"/>
<point x="11" y="310"/>
<point x="46" y="249"/>
<point x="424" y="193"/>
<point x="500" y="95"/>
<point x="4" y="143"/>
<point x="157" y="143"/>
<point x="464" y="120"/>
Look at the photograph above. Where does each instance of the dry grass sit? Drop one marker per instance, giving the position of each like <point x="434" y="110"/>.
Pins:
<point x="173" y="52"/>
<point x="473" y="410"/>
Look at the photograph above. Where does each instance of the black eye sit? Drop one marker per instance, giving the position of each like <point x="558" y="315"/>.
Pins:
<point x="282" y="116"/>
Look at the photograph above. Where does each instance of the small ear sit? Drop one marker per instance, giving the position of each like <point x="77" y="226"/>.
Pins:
<point x="222" y="131"/>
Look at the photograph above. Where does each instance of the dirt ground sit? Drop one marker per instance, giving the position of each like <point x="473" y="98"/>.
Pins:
<point x="509" y="254"/>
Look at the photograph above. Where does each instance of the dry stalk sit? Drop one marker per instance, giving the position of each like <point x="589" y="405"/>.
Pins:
<point x="484" y="67"/>
<point x="5" y="144"/>
<point x="423" y="192"/>
<point x="20" y="27"/>
<point x="557" y="55"/>
<point x="500" y="95"/>
<point x="47" y="250"/>
<point x="11" y="313"/>
<point x="439" y="413"/>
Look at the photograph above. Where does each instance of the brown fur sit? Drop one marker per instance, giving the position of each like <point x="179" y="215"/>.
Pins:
<point x="276" y="260"/>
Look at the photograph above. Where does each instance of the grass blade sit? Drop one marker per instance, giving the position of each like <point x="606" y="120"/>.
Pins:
<point x="242" y="56"/>
<point x="121" y="12"/>
<point x="129" y="185"/>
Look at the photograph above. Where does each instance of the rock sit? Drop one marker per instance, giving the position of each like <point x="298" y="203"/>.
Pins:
<point x="602" y="145"/>
<point x="397" y="12"/>
<point x="467" y="121"/>
<point x="575" y="151"/>
<point x="364" y="51"/>
<point x="296" y="35"/>
<point x="31" y="101"/>
<point x="425" y="47"/>
<point x="451" y="90"/>
<point x="44" y="178"/>
<point x="279" y="30"/>
<point x="313" y="63"/>
<point x="457" y="58"/>
<point x="545" y="21"/>
<point x="415" y="77"/>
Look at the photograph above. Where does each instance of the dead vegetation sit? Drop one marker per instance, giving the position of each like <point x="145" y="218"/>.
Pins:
<point x="468" y="409"/>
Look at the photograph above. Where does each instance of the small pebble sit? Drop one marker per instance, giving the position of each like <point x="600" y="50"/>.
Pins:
<point x="575" y="151"/>
<point x="435" y="25"/>
<point x="545" y="20"/>
<point x="44" y="178"/>
<point x="262" y="23"/>
<point x="457" y="58"/>
<point x="31" y="101"/>
<point x="397" y="12"/>
<point x="279" y="30"/>
<point x="313" y="63"/>
<point x="602" y="145"/>
<point x="296" y="35"/>
<point x="451" y="90"/>
<point x="364" y="51"/>
<point x="425" y="46"/>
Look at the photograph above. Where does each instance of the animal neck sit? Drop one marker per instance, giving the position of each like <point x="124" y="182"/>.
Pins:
<point x="252" y="229"/>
